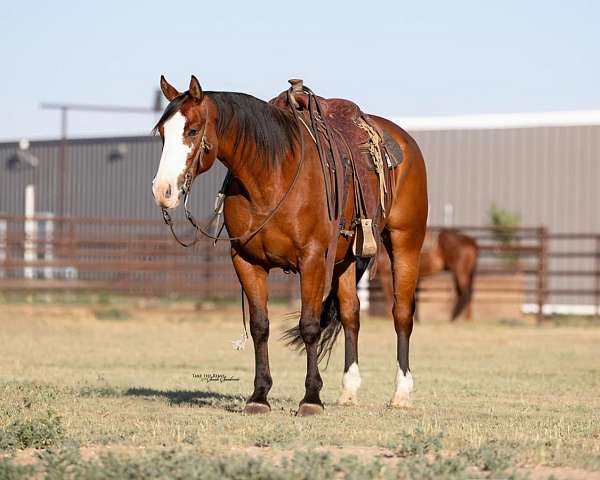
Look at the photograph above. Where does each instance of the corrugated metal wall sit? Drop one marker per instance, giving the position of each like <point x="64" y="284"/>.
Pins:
<point x="96" y="183"/>
<point x="548" y="175"/>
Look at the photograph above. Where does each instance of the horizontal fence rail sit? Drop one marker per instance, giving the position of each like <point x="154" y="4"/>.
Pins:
<point x="551" y="267"/>
<point x="139" y="256"/>
<point x="119" y="255"/>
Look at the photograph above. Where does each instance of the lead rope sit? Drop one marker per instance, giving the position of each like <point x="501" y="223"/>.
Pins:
<point x="241" y="343"/>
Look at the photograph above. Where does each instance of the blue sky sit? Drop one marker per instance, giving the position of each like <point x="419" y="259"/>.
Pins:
<point x="396" y="58"/>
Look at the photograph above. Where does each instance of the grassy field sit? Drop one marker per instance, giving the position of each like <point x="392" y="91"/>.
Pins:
<point x="127" y="387"/>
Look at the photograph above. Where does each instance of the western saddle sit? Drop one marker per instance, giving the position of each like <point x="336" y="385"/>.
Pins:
<point x="351" y="147"/>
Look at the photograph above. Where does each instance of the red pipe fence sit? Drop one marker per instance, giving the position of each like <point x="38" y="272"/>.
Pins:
<point x="139" y="256"/>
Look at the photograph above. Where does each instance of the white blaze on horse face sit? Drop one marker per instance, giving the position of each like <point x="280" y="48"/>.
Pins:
<point x="172" y="162"/>
<point x="404" y="386"/>
<point x="350" y="384"/>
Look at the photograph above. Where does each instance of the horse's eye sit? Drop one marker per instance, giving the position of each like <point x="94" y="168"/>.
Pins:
<point x="193" y="132"/>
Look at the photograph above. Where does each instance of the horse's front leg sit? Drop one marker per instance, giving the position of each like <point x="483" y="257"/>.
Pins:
<point x="312" y="286"/>
<point x="254" y="282"/>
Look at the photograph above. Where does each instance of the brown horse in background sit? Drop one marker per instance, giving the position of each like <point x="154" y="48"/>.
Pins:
<point x="449" y="251"/>
<point x="276" y="214"/>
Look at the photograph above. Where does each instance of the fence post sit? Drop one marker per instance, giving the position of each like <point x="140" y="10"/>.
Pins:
<point x="597" y="282"/>
<point x="73" y="244"/>
<point x="542" y="280"/>
<point x="4" y="248"/>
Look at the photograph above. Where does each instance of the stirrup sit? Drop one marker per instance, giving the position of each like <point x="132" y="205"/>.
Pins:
<point x="364" y="240"/>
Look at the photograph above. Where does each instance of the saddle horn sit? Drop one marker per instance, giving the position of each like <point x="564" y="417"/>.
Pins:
<point x="297" y="86"/>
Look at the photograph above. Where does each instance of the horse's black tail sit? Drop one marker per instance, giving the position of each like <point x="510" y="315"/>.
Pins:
<point x="330" y="321"/>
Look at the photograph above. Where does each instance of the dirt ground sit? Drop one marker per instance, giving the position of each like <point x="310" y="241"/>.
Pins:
<point x="138" y="376"/>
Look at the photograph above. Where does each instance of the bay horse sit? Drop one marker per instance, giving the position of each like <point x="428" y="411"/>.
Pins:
<point x="275" y="212"/>
<point x="449" y="251"/>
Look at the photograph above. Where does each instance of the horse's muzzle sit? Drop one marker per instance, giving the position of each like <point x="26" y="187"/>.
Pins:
<point x="166" y="195"/>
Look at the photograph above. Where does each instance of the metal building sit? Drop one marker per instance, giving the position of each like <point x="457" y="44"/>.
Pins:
<point x="545" y="167"/>
<point x="108" y="177"/>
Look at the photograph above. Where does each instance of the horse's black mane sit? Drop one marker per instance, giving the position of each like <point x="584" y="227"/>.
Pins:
<point x="272" y="130"/>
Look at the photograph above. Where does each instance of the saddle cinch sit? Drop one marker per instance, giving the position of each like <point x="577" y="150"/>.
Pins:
<point x="351" y="147"/>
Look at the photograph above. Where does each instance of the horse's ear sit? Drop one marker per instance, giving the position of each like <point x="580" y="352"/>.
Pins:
<point x="169" y="91"/>
<point x="195" y="88"/>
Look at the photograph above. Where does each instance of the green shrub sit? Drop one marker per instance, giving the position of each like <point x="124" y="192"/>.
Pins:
<point x="10" y="471"/>
<point x="426" y="462"/>
<point x="418" y="443"/>
<point x="38" y="432"/>
<point x="487" y="458"/>
<point x="500" y="217"/>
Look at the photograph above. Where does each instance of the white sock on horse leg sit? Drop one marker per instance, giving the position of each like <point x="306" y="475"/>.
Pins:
<point x="350" y="384"/>
<point x="404" y="386"/>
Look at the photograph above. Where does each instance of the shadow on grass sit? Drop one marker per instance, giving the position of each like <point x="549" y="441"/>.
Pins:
<point x="196" y="398"/>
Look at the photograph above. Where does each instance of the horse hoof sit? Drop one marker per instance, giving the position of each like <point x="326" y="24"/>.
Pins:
<point x="308" y="409"/>
<point x="347" y="400"/>
<point x="253" y="408"/>
<point x="402" y="402"/>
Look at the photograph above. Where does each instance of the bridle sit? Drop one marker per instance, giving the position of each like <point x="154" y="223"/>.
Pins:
<point x="189" y="173"/>
<point x="186" y="189"/>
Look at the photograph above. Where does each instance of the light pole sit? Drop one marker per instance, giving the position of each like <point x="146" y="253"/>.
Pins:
<point x="65" y="108"/>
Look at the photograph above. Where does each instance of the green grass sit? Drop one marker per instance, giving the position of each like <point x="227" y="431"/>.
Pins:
<point x="487" y="396"/>
<point x="41" y="432"/>
<point x="178" y="464"/>
<point x="416" y="456"/>
<point x="114" y="314"/>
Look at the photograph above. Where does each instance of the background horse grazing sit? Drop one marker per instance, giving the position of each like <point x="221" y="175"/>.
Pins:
<point x="277" y="176"/>
<point x="450" y="251"/>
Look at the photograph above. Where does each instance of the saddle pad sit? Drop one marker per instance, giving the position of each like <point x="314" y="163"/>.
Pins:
<point x="393" y="151"/>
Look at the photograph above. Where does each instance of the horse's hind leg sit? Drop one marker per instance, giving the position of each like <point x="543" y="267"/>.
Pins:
<point x="404" y="249"/>
<point x="254" y="282"/>
<point x="463" y="272"/>
<point x="350" y="318"/>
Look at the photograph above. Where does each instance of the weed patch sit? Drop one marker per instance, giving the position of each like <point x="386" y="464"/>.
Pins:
<point x="10" y="471"/>
<point x="100" y="392"/>
<point x="488" y="458"/>
<point x="304" y="465"/>
<point x="418" y="443"/>
<point x="112" y="314"/>
<point x="40" y="432"/>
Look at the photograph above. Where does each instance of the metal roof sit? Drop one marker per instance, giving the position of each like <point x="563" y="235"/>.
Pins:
<point x="501" y="120"/>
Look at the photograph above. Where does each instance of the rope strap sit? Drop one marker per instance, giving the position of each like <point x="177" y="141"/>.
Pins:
<point x="375" y="151"/>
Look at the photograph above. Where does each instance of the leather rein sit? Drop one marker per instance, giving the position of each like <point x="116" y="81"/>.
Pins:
<point x="218" y="209"/>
